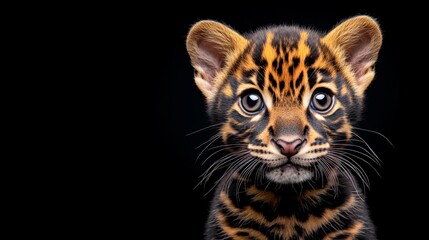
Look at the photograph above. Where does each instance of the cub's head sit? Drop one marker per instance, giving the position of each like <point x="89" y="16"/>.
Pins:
<point x="286" y="98"/>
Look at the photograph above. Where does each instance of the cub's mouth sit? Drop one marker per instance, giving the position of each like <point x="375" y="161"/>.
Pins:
<point x="289" y="173"/>
<point x="287" y="166"/>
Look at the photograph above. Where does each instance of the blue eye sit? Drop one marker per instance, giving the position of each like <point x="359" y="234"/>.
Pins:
<point x="322" y="101"/>
<point x="251" y="102"/>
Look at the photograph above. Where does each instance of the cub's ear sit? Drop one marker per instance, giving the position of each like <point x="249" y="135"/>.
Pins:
<point x="211" y="46"/>
<point x="357" y="41"/>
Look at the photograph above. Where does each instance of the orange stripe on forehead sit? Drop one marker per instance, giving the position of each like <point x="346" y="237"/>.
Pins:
<point x="303" y="49"/>
<point x="269" y="52"/>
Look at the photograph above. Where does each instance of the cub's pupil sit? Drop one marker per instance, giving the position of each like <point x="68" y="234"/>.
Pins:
<point x="321" y="99"/>
<point x="252" y="103"/>
<point x="252" y="100"/>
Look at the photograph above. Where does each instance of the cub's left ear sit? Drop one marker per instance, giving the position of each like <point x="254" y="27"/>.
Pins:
<point x="358" y="41"/>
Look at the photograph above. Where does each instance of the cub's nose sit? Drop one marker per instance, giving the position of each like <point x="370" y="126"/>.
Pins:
<point x="289" y="148"/>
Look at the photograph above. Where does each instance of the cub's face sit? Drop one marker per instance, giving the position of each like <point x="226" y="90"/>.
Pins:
<point x="286" y="97"/>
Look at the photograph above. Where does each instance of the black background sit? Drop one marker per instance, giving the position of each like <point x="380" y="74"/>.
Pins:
<point x="151" y="185"/>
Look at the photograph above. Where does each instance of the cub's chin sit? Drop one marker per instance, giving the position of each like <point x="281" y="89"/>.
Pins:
<point x="289" y="173"/>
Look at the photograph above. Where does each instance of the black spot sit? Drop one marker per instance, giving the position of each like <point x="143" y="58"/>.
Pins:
<point x="324" y="71"/>
<point x="241" y="233"/>
<point x="298" y="230"/>
<point x="290" y="70"/>
<point x="312" y="77"/>
<point x="260" y="78"/>
<point x="274" y="63"/>
<point x="334" y="126"/>
<point x="272" y="80"/>
<point x="337" y="114"/>
<point x="309" y="61"/>
<point x="287" y="57"/>
<point x="301" y="92"/>
<point x="281" y="86"/>
<point x="342" y="236"/>
<point x="271" y="130"/>
<point x="299" y="80"/>
<point x="295" y="61"/>
<point x="280" y="68"/>
<point x="249" y="73"/>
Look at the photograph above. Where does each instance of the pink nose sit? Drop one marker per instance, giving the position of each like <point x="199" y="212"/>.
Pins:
<point x="289" y="148"/>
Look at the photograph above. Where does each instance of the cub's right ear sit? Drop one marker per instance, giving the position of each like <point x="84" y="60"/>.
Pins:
<point x="211" y="47"/>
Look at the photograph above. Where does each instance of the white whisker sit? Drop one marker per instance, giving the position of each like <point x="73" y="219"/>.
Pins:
<point x="204" y="128"/>
<point x="375" y="132"/>
<point x="368" y="153"/>
<point x="209" y="142"/>
<point x="364" y="142"/>
<point x="349" y="162"/>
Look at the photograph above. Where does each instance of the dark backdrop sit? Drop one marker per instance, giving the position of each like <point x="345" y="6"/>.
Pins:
<point x="156" y="172"/>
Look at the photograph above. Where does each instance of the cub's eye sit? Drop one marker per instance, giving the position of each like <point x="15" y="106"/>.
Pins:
<point x="251" y="102"/>
<point x="322" y="101"/>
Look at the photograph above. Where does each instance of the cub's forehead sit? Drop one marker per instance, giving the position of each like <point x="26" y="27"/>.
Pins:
<point x="287" y="61"/>
<point x="284" y="46"/>
<point x="284" y="37"/>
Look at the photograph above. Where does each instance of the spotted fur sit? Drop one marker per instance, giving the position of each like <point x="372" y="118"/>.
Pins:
<point x="286" y="100"/>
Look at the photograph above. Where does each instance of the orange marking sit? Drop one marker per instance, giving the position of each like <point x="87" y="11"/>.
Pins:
<point x="344" y="91"/>
<point x="287" y="224"/>
<point x="263" y="196"/>
<point x="357" y="227"/>
<point x="303" y="49"/>
<point x="225" y="130"/>
<point x="227" y="90"/>
<point x="269" y="52"/>
<point x="313" y="223"/>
